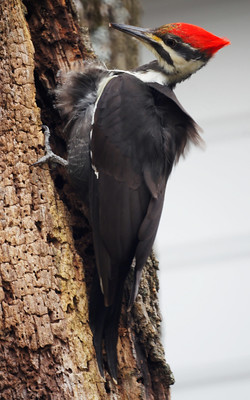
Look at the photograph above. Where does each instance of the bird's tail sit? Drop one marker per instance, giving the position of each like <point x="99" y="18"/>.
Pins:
<point x="104" y="325"/>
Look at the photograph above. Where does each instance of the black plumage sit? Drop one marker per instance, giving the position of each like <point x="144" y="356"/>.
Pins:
<point x="123" y="142"/>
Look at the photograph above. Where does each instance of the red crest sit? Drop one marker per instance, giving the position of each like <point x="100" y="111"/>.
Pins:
<point x="197" y="37"/>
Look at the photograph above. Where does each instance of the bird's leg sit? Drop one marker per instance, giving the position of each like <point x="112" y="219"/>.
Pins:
<point x="49" y="155"/>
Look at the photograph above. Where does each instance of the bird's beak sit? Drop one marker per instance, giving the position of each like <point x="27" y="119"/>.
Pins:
<point x="142" y="34"/>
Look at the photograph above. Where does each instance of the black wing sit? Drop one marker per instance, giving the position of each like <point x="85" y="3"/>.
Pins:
<point x="128" y="186"/>
<point x="138" y="133"/>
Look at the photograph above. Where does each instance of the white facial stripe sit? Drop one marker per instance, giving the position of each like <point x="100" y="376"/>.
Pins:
<point x="169" y="68"/>
<point x="181" y="68"/>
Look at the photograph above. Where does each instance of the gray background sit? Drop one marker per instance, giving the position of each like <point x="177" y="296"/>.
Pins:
<point x="204" y="238"/>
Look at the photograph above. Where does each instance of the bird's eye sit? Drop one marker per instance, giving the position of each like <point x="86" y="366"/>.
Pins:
<point x="171" y="42"/>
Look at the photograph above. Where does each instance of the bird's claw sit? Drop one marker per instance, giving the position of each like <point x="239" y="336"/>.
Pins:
<point x="49" y="155"/>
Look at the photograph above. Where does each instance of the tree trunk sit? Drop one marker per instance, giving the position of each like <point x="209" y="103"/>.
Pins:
<point x="46" y="256"/>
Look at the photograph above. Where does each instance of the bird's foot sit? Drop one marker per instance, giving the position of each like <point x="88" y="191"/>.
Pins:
<point x="49" y="155"/>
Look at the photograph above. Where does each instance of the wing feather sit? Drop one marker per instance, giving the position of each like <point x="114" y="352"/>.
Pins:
<point x="124" y="151"/>
<point x="138" y="133"/>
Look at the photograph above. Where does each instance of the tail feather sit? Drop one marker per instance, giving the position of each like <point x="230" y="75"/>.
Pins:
<point x="104" y="325"/>
<point x="97" y="315"/>
<point x="111" y="333"/>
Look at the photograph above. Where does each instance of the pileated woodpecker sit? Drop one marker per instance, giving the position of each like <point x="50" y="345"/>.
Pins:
<point x="126" y="130"/>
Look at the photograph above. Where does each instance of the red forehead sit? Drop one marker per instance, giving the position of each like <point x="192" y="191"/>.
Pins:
<point x="195" y="36"/>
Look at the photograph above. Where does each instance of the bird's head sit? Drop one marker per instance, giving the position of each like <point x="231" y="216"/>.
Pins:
<point x="181" y="49"/>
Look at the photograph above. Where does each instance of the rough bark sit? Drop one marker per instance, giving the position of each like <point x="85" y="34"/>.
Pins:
<point x="46" y="251"/>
